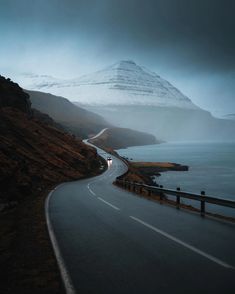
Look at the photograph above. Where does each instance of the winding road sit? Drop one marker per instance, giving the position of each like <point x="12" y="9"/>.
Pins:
<point x="111" y="241"/>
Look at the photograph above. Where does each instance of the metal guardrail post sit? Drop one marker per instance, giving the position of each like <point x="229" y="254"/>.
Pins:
<point x="178" y="198"/>
<point x="203" y="204"/>
<point x="161" y="191"/>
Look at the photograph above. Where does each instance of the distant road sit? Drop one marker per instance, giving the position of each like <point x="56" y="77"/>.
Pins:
<point x="99" y="134"/>
<point x="113" y="241"/>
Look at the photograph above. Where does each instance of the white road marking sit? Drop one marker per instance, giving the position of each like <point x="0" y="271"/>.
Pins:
<point x="93" y="193"/>
<point x="198" y="251"/>
<point x="99" y="134"/>
<point x="69" y="288"/>
<point x="111" y="205"/>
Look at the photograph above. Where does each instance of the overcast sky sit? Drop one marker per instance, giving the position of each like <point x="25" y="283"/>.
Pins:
<point x="191" y="43"/>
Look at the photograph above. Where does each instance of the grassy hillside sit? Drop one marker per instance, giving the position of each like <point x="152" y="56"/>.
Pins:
<point x="34" y="154"/>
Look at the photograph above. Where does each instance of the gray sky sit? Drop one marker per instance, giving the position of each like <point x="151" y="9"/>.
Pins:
<point x="191" y="43"/>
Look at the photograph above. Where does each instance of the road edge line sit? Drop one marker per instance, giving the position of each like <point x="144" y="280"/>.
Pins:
<point x="184" y="244"/>
<point x="69" y="288"/>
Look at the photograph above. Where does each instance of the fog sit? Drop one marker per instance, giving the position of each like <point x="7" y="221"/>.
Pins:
<point x="190" y="43"/>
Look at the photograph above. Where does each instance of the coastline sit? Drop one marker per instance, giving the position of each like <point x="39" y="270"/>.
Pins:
<point x="145" y="172"/>
<point x="211" y="170"/>
<point x="153" y="169"/>
<point x="211" y="165"/>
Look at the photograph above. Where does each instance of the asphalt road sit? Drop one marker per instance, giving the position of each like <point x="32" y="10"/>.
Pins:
<point x="113" y="241"/>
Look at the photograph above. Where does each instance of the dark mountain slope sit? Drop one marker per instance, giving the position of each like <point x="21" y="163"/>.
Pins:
<point x="12" y="95"/>
<point x="34" y="157"/>
<point x="79" y="121"/>
<point x="33" y="152"/>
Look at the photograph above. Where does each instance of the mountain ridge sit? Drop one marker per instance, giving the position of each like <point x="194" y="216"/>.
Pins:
<point x="32" y="144"/>
<point x="75" y="119"/>
<point x="126" y="83"/>
<point x="145" y="102"/>
<point x="141" y="86"/>
<point x="83" y="123"/>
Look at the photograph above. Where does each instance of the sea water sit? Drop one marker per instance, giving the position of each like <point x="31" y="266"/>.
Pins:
<point x="211" y="166"/>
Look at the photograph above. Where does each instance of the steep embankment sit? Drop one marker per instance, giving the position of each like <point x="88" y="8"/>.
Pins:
<point x="34" y="157"/>
<point x="117" y="138"/>
<point x="73" y="118"/>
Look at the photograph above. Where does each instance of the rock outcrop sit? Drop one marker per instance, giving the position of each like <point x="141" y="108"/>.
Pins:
<point x="12" y="95"/>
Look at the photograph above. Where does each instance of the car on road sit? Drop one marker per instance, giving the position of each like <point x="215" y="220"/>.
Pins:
<point x="109" y="158"/>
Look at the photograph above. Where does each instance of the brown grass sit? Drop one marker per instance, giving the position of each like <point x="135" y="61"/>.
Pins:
<point x="34" y="158"/>
<point x="27" y="260"/>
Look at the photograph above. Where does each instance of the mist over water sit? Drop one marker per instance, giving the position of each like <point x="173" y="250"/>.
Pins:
<point x="211" y="166"/>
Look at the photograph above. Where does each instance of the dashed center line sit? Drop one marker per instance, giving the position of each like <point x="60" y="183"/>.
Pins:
<point x="101" y="199"/>
<point x="106" y="202"/>
<point x="93" y="193"/>
<point x="198" y="251"/>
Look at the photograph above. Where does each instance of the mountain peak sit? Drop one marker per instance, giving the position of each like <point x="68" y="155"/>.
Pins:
<point x="123" y="83"/>
<point x="128" y="61"/>
<point x="124" y="65"/>
<point x="127" y="83"/>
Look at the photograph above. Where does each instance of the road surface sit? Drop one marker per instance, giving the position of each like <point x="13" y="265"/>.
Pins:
<point x="99" y="134"/>
<point x="112" y="241"/>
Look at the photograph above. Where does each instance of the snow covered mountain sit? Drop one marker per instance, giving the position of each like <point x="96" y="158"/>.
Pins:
<point x="130" y="96"/>
<point x="124" y="83"/>
<point x="38" y="82"/>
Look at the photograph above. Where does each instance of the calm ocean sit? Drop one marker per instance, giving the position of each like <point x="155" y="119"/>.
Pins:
<point x="211" y="166"/>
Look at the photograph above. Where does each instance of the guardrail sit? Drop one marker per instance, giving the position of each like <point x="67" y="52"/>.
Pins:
<point x="203" y="198"/>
